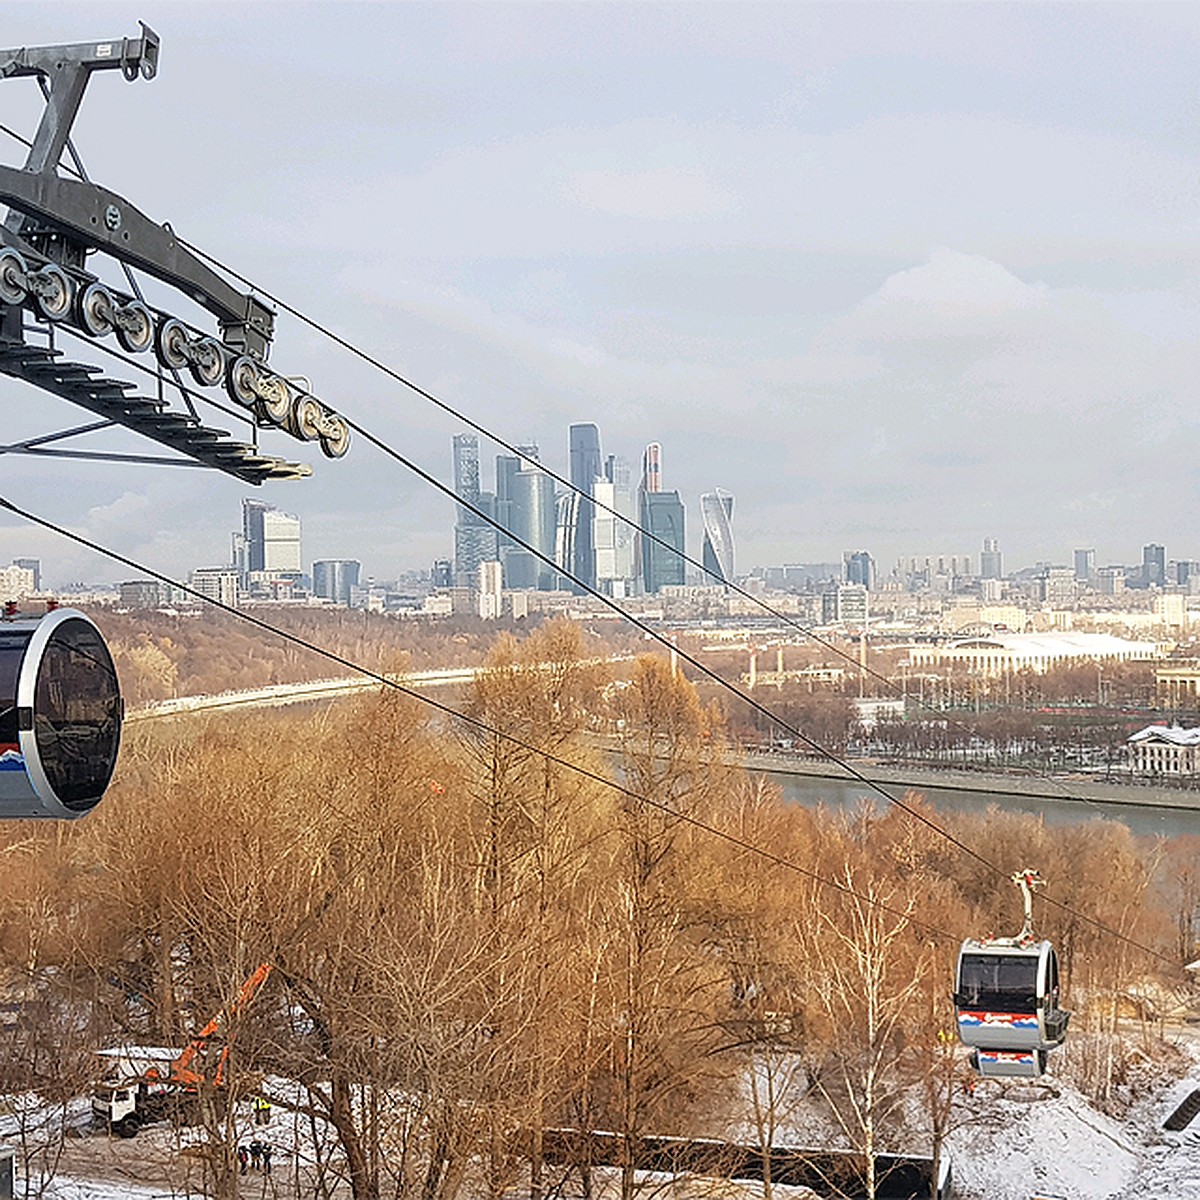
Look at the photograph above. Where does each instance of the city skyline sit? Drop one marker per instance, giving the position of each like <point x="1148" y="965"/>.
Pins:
<point x="896" y="278"/>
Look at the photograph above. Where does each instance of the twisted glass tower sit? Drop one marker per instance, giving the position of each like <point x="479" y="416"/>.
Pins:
<point x="716" y="511"/>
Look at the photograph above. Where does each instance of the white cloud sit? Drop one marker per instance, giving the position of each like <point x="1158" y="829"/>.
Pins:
<point x="666" y="193"/>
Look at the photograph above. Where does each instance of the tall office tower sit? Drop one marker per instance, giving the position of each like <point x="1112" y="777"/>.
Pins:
<point x="652" y="468"/>
<point x="662" y="565"/>
<point x="586" y="468"/>
<point x="612" y="529"/>
<point x="859" y="567"/>
<point x="533" y="521"/>
<point x="507" y="466"/>
<point x="474" y="538"/>
<point x="1154" y="565"/>
<point x="272" y="538"/>
<point x="332" y="578"/>
<point x="441" y="574"/>
<point x="991" y="564"/>
<point x="1085" y="565"/>
<point x="716" y="511"/>
<point x="34" y="565"/>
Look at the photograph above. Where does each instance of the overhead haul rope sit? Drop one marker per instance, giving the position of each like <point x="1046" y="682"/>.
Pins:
<point x="449" y="409"/>
<point x="376" y="363"/>
<point x="851" y="771"/>
<point x="467" y="719"/>
<point x="483" y="726"/>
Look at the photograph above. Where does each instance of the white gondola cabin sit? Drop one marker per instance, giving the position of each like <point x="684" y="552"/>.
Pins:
<point x="1006" y="999"/>
<point x="60" y="715"/>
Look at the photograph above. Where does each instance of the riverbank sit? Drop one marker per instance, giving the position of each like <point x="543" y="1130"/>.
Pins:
<point x="991" y="784"/>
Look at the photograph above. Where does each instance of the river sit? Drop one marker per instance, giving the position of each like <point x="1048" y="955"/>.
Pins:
<point x="1140" y="814"/>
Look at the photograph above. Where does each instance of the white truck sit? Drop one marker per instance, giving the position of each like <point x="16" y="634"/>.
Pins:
<point x="133" y="1090"/>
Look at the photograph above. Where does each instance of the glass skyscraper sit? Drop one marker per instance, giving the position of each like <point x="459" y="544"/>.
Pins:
<point x="474" y="538"/>
<point x="716" y="510"/>
<point x="662" y="565"/>
<point x="586" y="468"/>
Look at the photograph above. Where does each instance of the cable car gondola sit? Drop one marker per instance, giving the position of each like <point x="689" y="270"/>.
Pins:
<point x="1006" y="998"/>
<point x="60" y="714"/>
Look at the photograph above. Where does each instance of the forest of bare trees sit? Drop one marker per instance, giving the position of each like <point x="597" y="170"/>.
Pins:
<point x="475" y="939"/>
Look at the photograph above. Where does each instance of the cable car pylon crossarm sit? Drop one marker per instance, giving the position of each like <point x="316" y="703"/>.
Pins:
<point x="56" y="221"/>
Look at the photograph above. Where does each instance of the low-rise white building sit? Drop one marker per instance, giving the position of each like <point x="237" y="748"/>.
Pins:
<point x="1164" y="750"/>
<point x="1002" y="653"/>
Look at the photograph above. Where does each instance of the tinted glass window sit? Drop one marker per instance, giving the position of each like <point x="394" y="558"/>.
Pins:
<point x="12" y="650"/>
<point x="77" y="714"/>
<point x="999" y="981"/>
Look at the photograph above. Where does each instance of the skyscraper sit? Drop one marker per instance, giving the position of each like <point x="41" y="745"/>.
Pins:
<point x="271" y="538"/>
<point x="474" y="538"/>
<point x="613" y="537"/>
<point x="532" y="520"/>
<point x="859" y="567"/>
<point x="586" y="463"/>
<point x="1085" y="565"/>
<point x="662" y="565"/>
<point x="652" y="468"/>
<point x="716" y="511"/>
<point x="1154" y="565"/>
<point x="991" y="564"/>
<point x="332" y="578"/>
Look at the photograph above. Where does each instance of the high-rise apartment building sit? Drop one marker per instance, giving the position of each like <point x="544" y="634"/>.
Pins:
<point x="845" y="604"/>
<point x="489" y="590"/>
<point x="586" y="469"/>
<point x="271" y="539"/>
<point x="34" y="565"/>
<point x="991" y="564"/>
<point x="1056" y="585"/>
<point x="16" y="581"/>
<point x="716" y="512"/>
<point x="332" y="578"/>
<point x="216" y="583"/>
<point x="663" y="563"/>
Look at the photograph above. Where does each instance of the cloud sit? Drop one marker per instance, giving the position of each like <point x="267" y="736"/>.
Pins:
<point x="666" y="193"/>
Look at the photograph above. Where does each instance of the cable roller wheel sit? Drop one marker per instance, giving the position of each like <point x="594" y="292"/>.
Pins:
<point x="172" y="344"/>
<point x="241" y="381"/>
<point x="335" y="437"/>
<point x="13" y="275"/>
<point x="135" y="327"/>
<point x="308" y="418"/>
<point x="207" y="363"/>
<point x="275" y="399"/>
<point x="96" y="310"/>
<point x="52" y="291"/>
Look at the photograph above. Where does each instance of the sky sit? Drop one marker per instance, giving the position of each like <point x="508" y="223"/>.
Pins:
<point x="898" y="276"/>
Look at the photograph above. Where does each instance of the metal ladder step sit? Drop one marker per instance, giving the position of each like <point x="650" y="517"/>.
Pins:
<point x="1182" y="1117"/>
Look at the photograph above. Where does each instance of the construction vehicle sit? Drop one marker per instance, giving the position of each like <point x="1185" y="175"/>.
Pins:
<point x="144" y="1084"/>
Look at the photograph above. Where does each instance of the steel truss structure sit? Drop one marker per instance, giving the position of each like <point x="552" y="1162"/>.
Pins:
<point x="56" y="220"/>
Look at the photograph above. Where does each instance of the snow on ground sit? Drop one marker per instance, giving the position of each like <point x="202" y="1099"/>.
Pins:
<point x="1025" y="1141"/>
<point x="1014" y="1141"/>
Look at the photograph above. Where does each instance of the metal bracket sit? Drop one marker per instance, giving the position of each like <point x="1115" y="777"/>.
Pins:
<point x="54" y="222"/>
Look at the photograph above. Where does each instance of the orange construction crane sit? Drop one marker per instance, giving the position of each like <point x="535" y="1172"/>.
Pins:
<point x="183" y="1073"/>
